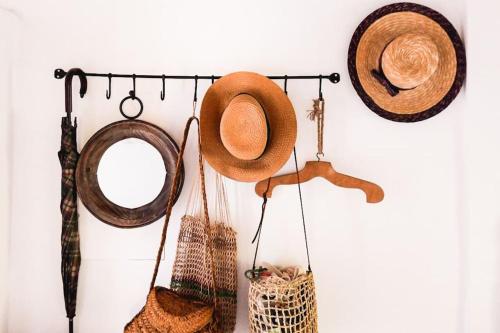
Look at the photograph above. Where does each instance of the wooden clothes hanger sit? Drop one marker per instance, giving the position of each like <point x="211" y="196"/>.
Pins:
<point x="323" y="169"/>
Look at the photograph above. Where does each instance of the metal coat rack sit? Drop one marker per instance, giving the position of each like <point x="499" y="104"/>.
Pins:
<point x="60" y="74"/>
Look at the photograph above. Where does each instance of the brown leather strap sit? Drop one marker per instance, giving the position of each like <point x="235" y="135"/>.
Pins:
<point x="171" y="200"/>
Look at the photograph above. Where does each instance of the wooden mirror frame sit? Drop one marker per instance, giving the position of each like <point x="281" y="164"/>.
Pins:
<point x="91" y="194"/>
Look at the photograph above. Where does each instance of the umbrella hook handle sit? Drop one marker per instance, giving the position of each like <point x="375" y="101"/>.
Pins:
<point x="68" y="88"/>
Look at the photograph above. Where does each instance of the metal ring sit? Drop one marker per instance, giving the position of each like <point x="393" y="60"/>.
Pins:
<point x="133" y="97"/>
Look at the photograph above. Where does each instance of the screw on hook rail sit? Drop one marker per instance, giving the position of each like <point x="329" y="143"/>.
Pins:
<point x="59" y="73"/>
<point x="108" y="92"/>
<point x="162" y="93"/>
<point x="334" y="78"/>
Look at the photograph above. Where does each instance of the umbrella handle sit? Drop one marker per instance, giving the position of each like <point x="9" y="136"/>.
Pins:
<point x="68" y="87"/>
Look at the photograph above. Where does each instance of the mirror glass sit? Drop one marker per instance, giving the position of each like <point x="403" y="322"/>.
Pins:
<point x="131" y="173"/>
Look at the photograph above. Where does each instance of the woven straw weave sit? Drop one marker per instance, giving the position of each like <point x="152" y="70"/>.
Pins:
<point x="278" y="306"/>
<point x="166" y="311"/>
<point x="155" y="316"/>
<point x="190" y="276"/>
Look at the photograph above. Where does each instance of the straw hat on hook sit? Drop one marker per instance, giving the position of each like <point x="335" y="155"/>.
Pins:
<point x="248" y="127"/>
<point x="407" y="62"/>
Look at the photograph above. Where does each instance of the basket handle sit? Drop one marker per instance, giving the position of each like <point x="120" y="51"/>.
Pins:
<point x="254" y="272"/>
<point x="171" y="201"/>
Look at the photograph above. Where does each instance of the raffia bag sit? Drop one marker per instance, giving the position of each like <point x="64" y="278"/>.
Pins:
<point x="166" y="311"/>
<point x="278" y="305"/>
<point x="189" y="276"/>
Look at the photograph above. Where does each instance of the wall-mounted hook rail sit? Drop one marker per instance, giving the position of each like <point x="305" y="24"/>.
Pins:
<point x="333" y="78"/>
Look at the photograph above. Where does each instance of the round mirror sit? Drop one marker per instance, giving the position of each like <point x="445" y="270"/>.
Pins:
<point x="126" y="171"/>
<point x="131" y="173"/>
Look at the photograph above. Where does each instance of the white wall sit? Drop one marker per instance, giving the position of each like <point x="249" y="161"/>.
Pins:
<point x="423" y="260"/>
<point x="8" y="47"/>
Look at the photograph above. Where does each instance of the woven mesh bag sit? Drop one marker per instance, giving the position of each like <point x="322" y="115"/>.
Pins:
<point x="167" y="311"/>
<point x="190" y="276"/>
<point x="277" y="304"/>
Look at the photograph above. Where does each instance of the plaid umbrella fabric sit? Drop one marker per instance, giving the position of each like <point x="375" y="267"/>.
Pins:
<point x="70" y="238"/>
<point x="68" y="157"/>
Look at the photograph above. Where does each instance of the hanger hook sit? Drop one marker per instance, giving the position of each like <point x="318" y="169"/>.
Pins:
<point x="108" y="92"/>
<point x="285" y="85"/>
<point x="162" y="93"/>
<point x="195" y="98"/>
<point x="321" y="87"/>
<point x="213" y="79"/>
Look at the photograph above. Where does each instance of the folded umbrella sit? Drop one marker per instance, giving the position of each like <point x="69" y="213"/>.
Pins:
<point x="70" y="238"/>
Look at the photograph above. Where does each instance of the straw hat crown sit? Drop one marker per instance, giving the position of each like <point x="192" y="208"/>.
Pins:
<point x="243" y="128"/>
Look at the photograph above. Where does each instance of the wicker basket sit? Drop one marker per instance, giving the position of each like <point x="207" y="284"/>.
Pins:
<point x="166" y="311"/>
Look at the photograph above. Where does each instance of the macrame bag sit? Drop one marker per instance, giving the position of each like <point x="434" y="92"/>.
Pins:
<point x="278" y="305"/>
<point x="189" y="276"/>
<point x="166" y="311"/>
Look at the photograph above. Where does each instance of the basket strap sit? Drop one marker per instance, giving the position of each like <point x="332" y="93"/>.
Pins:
<point x="171" y="201"/>
<point x="208" y="231"/>
<point x="264" y="204"/>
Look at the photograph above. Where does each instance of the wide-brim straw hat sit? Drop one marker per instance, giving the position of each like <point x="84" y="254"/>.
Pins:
<point x="248" y="127"/>
<point x="407" y="62"/>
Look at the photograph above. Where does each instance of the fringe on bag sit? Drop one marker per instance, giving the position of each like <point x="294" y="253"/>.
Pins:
<point x="190" y="277"/>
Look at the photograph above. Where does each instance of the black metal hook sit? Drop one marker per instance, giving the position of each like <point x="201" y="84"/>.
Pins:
<point x="195" y="99"/>
<point x="108" y="92"/>
<point x="285" y="85"/>
<point x="59" y="73"/>
<point x="135" y="98"/>
<point x="321" y="87"/>
<point x="132" y="92"/>
<point x="213" y="79"/>
<point x="162" y="93"/>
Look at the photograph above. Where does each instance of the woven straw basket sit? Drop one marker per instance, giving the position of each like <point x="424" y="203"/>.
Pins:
<point x="278" y="306"/>
<point x="190" y="276"/>
<point x="167" y="311"/>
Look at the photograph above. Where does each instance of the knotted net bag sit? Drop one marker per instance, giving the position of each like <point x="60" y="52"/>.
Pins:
<point x="277" y="304"/>
<point x="167" y="311"/>
<point x="190" y="276"/>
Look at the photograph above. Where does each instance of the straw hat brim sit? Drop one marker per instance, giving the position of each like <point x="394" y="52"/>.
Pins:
<point x="375" y="33"/>
<point x="281" y="121"/>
